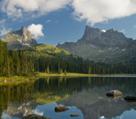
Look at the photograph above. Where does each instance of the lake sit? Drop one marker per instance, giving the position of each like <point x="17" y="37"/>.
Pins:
<point x="84" y="97"/>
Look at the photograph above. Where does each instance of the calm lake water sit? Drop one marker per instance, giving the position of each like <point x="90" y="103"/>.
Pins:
<point x="85" y="98"/>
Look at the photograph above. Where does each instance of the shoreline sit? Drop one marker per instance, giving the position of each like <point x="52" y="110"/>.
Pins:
<point x="16" y="80"/>
<point x="84" y="75"/>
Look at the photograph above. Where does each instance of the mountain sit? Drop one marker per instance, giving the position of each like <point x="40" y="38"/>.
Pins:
<point x="21" y="38"/>
<point x="108" y="46"/>
<point x="44" y="50"/>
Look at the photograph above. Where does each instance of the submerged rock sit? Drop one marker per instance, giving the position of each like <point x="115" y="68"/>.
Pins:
<point x="114" y="93"/>
<point x="130" y="98"/>
<point x="33" y="116"/>
<point x="61" y="108"/>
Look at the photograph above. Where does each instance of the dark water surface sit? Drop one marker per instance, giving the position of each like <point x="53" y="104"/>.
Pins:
<point x="85" y="98"/>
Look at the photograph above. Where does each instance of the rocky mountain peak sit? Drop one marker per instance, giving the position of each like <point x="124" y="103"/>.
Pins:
<point x="104" y="38"/>
<point x="102" y="46"/>
<point x="19" y="38"/>
<point x="91" y="33"/>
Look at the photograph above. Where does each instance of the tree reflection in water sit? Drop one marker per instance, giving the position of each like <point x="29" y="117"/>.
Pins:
<point x="86" y="93"/>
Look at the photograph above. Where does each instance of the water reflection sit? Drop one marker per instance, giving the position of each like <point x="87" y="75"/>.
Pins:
<point x="14" y="94"/>
<point x="47" y="111"/>
<point x="130" y="114"/>
<point x="88" y="94"/>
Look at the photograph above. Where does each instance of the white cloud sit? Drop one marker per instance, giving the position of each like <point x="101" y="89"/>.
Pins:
<point x="103" y="30"/>
<point x="18" y="7"/>
<point x="92" y="11"/>
<point x="36" y="30"/>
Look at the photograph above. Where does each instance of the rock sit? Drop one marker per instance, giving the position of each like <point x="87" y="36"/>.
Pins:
<point x="130" y="98"/>
<point x="61" y="108"/>
<point x="114" y="93"/>
<point x="33" y="116"/>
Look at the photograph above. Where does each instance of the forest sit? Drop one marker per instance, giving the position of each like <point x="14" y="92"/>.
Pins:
<point x="24" y="62"/>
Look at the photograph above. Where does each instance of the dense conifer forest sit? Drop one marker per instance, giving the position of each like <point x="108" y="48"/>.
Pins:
<point x="26" y="62"/>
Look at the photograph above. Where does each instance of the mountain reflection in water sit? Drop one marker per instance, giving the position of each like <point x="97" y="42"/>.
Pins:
<point x="87" y="94"/>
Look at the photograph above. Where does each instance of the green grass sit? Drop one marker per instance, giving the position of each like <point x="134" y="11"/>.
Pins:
<point x="50" y="49"/>
<point x="15" y="80"/>
<point x="47" y="51"/>
<point x="82" y="75"/>
<point x="64" y="75"/>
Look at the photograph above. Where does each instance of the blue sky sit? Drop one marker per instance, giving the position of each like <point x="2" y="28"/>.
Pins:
<point x="61" y="25"/>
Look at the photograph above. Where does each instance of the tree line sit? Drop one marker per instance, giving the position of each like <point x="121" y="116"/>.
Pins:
<point x="19" y="62"/>
<point x="14" y="62"/>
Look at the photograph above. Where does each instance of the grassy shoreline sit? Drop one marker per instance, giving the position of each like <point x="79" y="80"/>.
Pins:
<point x="84" y="75"/>
<point x="15" y="80"/>
<point x="65" y="75"/>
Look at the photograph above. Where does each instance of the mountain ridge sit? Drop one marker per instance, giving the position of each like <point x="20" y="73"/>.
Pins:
<point x="19" y="39"/>
<point x="102" y="46"/>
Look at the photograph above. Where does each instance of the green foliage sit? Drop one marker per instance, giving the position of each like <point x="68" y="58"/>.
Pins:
<point x="14" y="62"/>
<point x="50" y="59"/>
<point x="3" y="56"/>
<point x="50" y="50"/>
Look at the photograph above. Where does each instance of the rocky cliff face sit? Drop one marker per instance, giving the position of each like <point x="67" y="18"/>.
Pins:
<point x="102" y="46"/>
<point x="103" y="38"/>
<point x="19" y="39"/>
